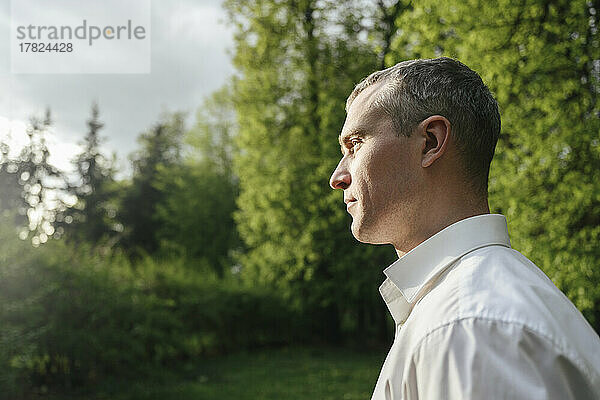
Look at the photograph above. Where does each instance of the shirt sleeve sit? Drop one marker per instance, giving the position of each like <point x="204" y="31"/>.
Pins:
<point x="487" y="359"/>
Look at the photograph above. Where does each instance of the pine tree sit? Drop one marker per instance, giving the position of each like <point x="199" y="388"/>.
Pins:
<point x="93" y="216"/>
<point x="41" y="183"/>
<point x="160" y="149"/>
<point x="10" y="196"/>
<point x="196" y="213"/>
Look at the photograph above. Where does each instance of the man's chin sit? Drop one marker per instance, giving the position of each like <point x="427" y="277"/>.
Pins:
<point x="364" y="235"/>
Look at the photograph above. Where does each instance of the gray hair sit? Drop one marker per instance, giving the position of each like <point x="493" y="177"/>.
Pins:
<point x="417" y="89"/>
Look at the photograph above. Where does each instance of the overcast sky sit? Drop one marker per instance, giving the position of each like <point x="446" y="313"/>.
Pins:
<point x="190" y="41"/>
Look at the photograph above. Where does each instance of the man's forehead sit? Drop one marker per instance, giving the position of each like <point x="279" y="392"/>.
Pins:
<point x="363" y="113"/>
<point x="367" y="97"/>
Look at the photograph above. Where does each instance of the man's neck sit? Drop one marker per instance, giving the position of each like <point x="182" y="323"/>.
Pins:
<point x="434" y="222"/>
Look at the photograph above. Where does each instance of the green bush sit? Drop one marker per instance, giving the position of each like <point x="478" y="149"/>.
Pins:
<point x="71" y="318"/>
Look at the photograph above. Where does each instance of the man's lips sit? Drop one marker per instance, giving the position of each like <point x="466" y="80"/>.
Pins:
<point x="349" y="202"/>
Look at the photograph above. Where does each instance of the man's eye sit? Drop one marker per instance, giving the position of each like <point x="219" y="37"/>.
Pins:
<point x="354" y="144"/>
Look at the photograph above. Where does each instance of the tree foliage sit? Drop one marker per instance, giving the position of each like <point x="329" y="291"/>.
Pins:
<point x="31" y="185"/>
<point x="297" y="62"/>
<point x="196" y="213"/>
<point x="160" y="148"/>
<point x="11" y="200"/>
<point x="93" y="216"/>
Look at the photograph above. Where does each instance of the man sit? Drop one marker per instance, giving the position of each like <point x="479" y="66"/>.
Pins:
<point x="474" y="318"/>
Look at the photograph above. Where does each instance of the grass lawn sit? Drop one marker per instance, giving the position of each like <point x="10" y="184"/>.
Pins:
<point x="288" y="373"/>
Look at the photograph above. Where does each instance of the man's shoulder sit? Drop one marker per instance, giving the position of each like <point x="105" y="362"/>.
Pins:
<point x="496" y="286"/>
<point x="499" y="283"/>
<point x="495" y="283"/>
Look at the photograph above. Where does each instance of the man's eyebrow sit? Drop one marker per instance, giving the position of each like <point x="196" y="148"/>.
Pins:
<point x="342" y="139"/>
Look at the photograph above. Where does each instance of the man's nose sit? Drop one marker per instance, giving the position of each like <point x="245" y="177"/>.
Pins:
<point x="340" y="179"/>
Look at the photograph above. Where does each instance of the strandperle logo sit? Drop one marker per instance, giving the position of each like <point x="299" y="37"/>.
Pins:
<point x="82" y="32"/>
<point x="80" y="37"/>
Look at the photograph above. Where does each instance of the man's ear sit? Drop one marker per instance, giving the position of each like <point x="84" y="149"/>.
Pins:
<point x="436" y="131"/>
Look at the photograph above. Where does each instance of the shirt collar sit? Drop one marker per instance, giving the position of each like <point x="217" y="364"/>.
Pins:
<point x="408" y="278"/>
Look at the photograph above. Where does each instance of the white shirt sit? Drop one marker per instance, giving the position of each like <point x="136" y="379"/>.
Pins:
<point x="476" y="319"/>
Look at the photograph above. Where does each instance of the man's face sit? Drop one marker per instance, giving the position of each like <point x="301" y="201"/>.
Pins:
<point x="379" y="173"/>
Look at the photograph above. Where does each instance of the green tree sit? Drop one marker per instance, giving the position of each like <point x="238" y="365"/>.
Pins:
<point x="10" y="195"/>
<point x="92" y="217"/>
<point x="41" y="183"/>
<point x="542" y="61"/>
<point x="297" y="62"/>
<point x="160" y="148"/>
<point x="196" y="214"/>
